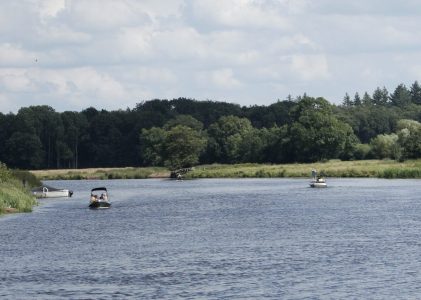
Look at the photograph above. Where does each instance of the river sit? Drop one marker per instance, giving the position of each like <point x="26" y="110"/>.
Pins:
<point x="218" y="239"/>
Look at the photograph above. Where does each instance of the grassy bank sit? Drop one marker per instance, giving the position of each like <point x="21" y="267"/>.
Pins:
<point x="102" y="173"/>
<point x="333" y="168"/>
<point x="14" y="197"/>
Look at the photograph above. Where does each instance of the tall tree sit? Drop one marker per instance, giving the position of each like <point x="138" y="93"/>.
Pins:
<point x="357" y="99"/>
<point x="226" y="137"/>
<point x="347" y="102"/>
<point x="182" y="147"/>
<point x="380" y="96"/>
<point x="401" y="97"/>
<point x="367" y="100"/>
<point x="415" y="93"/>
<point x="316" y="134"/>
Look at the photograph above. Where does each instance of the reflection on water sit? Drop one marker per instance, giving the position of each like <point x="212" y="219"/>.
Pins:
<point x="218" y="239"/>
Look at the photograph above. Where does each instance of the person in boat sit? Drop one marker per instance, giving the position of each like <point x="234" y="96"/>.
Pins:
<point x="93" y="198"/>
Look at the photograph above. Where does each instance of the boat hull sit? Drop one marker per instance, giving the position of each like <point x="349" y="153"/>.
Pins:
<point x="318" y="184"/>
<point x="99" y="204"/>
<point x="53" y="194"/>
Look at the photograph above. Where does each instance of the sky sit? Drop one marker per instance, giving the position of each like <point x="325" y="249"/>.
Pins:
<point x="113" y="54"/>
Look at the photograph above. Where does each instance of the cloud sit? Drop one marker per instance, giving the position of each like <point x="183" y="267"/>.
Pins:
<point x="310" y="67"/>
<point x="237" y="13"/>
<point x="108" y="53"/>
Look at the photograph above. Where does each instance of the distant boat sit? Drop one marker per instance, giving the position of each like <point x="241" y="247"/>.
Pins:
<point x="46" y="191"/>
<point x="317" y="181"/>
<point x="101" y="201"/>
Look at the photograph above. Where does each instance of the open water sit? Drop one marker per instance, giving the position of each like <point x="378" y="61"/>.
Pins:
<point x="218" y="239"/>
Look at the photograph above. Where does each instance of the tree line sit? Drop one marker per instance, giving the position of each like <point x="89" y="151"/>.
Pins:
<point x="184" y="132"/>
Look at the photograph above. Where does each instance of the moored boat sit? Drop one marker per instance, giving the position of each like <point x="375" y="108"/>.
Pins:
<point x="46" y="191"/>
<point x="101" y="201"/>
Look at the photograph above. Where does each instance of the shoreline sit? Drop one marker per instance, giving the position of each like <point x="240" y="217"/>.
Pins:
<point x="388" y="169"/>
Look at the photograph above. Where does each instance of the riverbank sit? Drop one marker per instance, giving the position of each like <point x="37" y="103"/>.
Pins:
<point x="102" y="173"/>
<point x="332" y="168"/>
<point x="14" y="198"/>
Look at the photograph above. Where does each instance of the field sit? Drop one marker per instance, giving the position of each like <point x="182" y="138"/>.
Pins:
<point x="333" y="168"/>
<point x="102" y="173"/>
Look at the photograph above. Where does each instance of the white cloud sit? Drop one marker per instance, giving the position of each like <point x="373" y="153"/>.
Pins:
<point x="222" y="78"/>
<point x="50" y="8"/>
<point x="99" y="52"/>
<point x="238" y="13"/>
<point x="310" y="67"/>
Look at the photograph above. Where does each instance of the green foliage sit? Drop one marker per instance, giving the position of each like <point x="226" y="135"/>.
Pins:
<point x="317" y="133"/>
<point x="184" y="120"/>
<point x="25" y="149"/>
<point x="5" y="173"/>
<point x="182" y="147"/>
<point x="361" y="151"/>
<point x="294" y="130"/>
<point x="152" y="141"/>
<point x="416" y="93"/>
<point x="13" y="195"/>
<point x="385" y="146"/>
<point x="27" y="178"/>
<point x="401" y="97"/>
<point x="177" y="147"/>
<point x="226" y="138"/>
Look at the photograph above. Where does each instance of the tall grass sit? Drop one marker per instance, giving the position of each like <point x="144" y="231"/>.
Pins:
<point x="13" y="195"/>
<point x="102" y="173"/>
<point x="332" y="168"/>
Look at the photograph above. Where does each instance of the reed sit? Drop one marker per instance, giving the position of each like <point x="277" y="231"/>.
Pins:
<point x="332" y="168"/>
<point x="14" y="197"/>
<point x="101" y="173"/>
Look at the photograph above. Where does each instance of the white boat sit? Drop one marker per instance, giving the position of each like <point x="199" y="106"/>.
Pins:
<point x="317" y="181"/>
<point x="46" y="191"/>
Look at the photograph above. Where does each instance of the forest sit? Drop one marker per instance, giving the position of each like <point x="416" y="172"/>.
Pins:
<point x="184" y="132"/>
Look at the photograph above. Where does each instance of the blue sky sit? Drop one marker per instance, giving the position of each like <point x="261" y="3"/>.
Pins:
<point x="72" y="54"/>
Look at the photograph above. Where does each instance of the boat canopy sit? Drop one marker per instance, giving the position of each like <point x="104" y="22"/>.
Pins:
<point x="99" y="189"/>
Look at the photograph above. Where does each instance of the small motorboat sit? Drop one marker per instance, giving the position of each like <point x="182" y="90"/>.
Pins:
<point x="46" y="191"/>
<point x="101" y="201"/>
<point x="317" y="181"/>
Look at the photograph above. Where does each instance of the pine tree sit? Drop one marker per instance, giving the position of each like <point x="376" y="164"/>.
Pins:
<point x="367" y="99"/>
<point x="347" y="101"/>
<point x="416" y="93"/>
<point x="357" y="99"/>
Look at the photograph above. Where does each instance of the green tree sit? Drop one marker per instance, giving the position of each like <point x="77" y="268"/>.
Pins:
<point x="184" y="120"/>
<point x="409" y="138"/>
<point x="401" y="97"/>
<point x="347" y="102"/>
<point x="182" y="147"/>
<point x="316" y="133"/>
<point x="385" y="146"/>
<point x="367" y="100"/>
<point x="380" y="96"/>
<point x="357" y="100"/>
<point x="152" y="146"/>
<point x="226" y="137"/>
<point x="24" y="151"/>
<point x="415" y="93"/>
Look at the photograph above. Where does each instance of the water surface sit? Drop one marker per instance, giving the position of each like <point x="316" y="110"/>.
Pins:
<point x="218" y="239"/>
